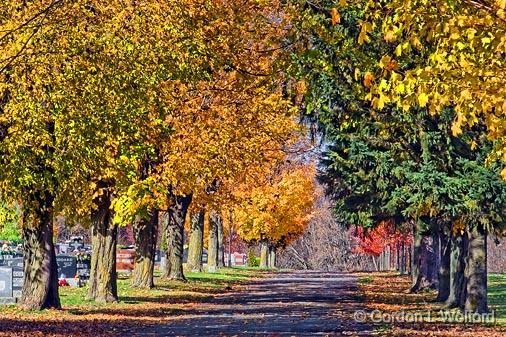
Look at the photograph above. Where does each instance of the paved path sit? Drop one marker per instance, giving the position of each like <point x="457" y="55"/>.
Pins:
<point x="287" y="304"/>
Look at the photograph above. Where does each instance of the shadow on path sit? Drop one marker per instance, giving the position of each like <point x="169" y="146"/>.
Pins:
<point x="286" y="304"/>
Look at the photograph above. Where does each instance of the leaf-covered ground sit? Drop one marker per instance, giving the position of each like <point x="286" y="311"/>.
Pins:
<point x="136" y="308"/>
<point x="387" y="293"/>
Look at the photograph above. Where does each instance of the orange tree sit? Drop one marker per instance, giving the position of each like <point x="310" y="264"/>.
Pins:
<point x="235" y="117"/>
<point x="277" y="210"/>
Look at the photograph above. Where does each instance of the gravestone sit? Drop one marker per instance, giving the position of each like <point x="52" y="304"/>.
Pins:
<point x="5" y="282"/>
<point x="16" y="262"/>
<point x="18" y="278"/>
<point x="163" y="263"/>
<point x="125" y="259"/>
<point x="83" y="266"/>
<point x="204" y="256"/>
<point x="67" y="266"/>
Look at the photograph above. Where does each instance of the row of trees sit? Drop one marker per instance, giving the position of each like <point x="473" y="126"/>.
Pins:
<point x="410" y="97"/>
<point x="113" y="112"/>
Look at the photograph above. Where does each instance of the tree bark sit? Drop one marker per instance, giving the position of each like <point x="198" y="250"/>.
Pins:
<point x="196" y="243"/>
<point x="457" y="269"/>
<point x="175" y="235"/>
<point x="145" y="233"/>
<point x="264" y="254"/>
<point x="402" y="254"/>
<point x="221" y="245"/>
<point x="476" y="271"/>
<point x="104" y="236"/>
<point x="168" y="237"/>
<point x="444" y="270"/>
<point x="40" y="287"/>
<point x="423" y="270"/>
<point x="272" y="257"/>
<point x="212" y="245"/>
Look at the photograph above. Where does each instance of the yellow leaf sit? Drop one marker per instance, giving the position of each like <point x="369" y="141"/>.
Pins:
<point x="423" y="99"/>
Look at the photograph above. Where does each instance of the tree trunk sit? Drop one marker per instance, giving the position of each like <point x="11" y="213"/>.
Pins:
<point x="212" y="245"/>
<point x="221" y="245"/>
<point x="415" y="263"/>
<point x="476" y="271"/>
<point x="444" y="270"/>
<point x="272" y="257"/>
<point x="104" y="236"/>
<point x="168" y="237"/>
<point x="196" y="244"/>
<point x="175" y="235"/>
<point x="423" y="260"/>
<point x="145" y="233"/>
<point x="264" y="254"/>
<point x="457" y="269"/>
<point x="40" y="287"/>
<point x="374" y="263"/>
<point x="402" y="254"/>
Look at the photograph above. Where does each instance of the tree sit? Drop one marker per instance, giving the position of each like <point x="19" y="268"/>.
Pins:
<point x="458" y="46"/>
<point x="391" y="161"/>
<point x="276" y="211"/>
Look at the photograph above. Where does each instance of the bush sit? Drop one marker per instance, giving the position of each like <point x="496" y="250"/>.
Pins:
<point x="253" y="261"/>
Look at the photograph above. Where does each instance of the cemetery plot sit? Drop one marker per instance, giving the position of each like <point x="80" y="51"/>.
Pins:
<point x="67" y="266"/>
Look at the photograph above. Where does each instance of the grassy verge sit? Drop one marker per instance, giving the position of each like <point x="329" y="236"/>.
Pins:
<point x="386" y="293"/>
<point x="497" y="296"/>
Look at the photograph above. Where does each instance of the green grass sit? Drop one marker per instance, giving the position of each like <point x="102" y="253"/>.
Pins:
<point x="365" y="280"/>
<point x="201" y="283"/>
<point x="497" y="296"/>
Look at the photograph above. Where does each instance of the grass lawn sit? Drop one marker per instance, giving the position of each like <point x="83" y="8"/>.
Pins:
<point x="497" y="296"/>
<point x="197" y="283"/>
<point x="387" y="292"/>
<point x="136" y="307"/>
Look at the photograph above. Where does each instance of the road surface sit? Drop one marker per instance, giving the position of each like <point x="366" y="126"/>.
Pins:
<point x="286" y="304"/>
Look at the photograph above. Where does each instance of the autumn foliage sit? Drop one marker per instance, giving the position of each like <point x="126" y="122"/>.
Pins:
<point x="373" y="241"/>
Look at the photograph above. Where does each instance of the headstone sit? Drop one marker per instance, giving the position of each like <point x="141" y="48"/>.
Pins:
<point x="185" y="255"/>
<point x="15" y="262"/>
<point x="75" y="246"/>
<point x="67" y="266"/>
<point x="204" y="256"/>
<point x="163" y="263"/>
<point x="125" y="259"/>
<point x="18" y="278"/>
<point x="5" y="282"/>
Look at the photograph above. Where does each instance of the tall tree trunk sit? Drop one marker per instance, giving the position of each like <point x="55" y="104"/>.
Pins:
<point x="272" y="256"/>
<point x="40" y="287"/>
<point x="416" y="261"/>
<point x="457" y="269"/>
<point x="423" y="261"/>
<point x="444" y="269"/>
<point x="175" y="235"/>
<point x="212" y="245"/>
<point x="168" y="237"/>
<point x="376" y="268"/>
<point x="104" y="236"/>
<point x="196" y="242"/>
<point x="145" y="233"/>
<point x="264" y="254"/>
<point x="476" y="271"/>
<point x="402" y="254"/>
<point x="221" y="245"/>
